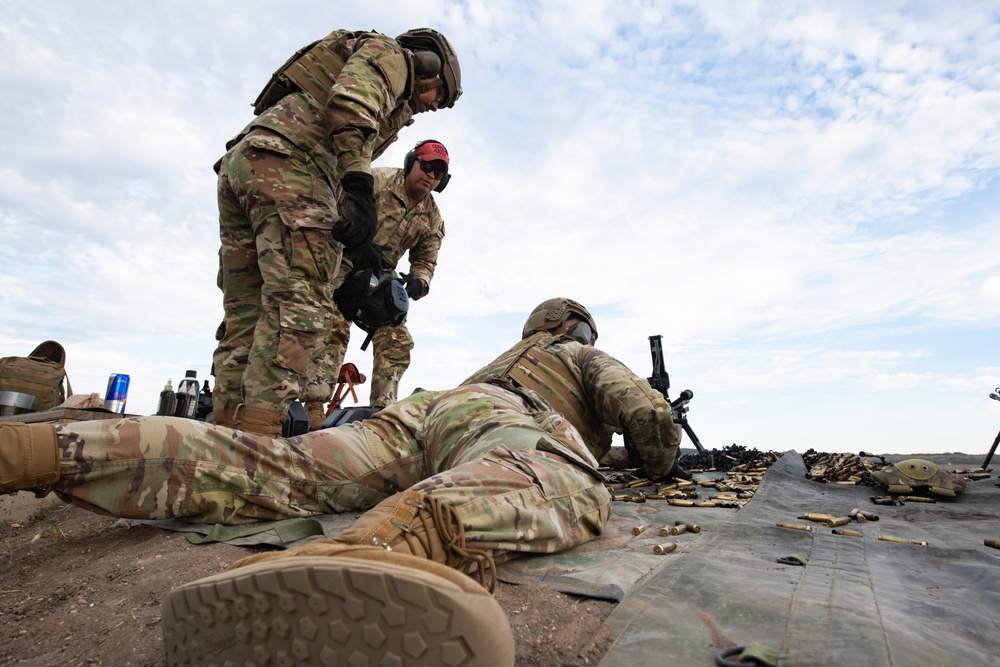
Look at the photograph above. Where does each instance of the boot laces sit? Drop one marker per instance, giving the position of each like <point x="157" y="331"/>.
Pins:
<point x="437" y="517"/>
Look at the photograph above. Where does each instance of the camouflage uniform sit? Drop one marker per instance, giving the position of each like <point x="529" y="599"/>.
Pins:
<point x="279" y="185"/>
<point x="402" y="226"/>
<point x="520" y="476"/>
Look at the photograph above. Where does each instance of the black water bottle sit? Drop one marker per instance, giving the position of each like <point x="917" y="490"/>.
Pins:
<point x="168" y="400"/>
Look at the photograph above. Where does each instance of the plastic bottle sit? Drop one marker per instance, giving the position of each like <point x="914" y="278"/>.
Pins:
<point x="167" y="400"/>
<point x="187" y="396"/>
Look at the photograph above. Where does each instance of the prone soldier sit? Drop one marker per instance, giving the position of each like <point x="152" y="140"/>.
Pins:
<point x="451" y="480"/>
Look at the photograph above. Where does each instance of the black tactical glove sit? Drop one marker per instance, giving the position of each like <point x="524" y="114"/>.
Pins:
<point x="357" y="210"/>
<point x="370" y="256"/>
<point x="416" y="288"/>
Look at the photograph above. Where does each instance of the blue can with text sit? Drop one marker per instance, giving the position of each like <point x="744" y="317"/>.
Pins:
<point x="117" y="393"/>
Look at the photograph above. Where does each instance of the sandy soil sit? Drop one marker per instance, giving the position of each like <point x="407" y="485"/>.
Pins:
<point x="77" y="590"/>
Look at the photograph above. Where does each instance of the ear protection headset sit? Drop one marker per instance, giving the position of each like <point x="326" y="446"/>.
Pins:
<point x="411" y="157"/>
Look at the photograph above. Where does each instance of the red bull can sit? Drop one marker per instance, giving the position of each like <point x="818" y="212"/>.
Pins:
<point x="117" y="393"/>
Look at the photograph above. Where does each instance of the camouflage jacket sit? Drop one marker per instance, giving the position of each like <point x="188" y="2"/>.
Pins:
<point x="417" y="228"/>
<point x="594" y="391"/>
<point x="367" y="106"/>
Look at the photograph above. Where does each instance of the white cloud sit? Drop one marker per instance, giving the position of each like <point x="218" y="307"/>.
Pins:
<point x="801" y="198"/>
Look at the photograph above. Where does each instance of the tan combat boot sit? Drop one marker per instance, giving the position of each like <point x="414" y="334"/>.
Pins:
<point x="29" y="458"/>
<point x="260" y="421"/>
<point x="316" y="414"/>
<point x="384" y="592"/>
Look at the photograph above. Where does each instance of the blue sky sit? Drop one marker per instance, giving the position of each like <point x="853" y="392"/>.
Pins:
<point x="801" y="197"/>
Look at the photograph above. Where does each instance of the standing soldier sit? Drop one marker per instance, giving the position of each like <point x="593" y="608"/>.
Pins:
<point x="408" y="220"/>
<point x="295" y="191"/>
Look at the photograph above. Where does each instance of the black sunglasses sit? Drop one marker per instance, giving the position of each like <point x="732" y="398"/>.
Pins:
<point x="429" y="168"/>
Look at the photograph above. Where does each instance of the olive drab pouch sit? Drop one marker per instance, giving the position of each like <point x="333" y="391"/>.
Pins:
<point x="41" y="374"/>
<point x="919" y="475"/>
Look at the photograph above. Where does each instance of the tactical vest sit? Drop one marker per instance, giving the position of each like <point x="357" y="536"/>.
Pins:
<point x="531" y="365"/>
<point x="313" y="69"/>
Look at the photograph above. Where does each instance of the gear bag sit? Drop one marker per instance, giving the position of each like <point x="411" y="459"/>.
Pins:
<point x="914" y="475"/>
<point x="41" y="374"/>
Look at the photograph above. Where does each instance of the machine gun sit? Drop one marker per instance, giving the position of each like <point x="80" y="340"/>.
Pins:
<point x="996" y="441"/>
<point x="660" y="381"/>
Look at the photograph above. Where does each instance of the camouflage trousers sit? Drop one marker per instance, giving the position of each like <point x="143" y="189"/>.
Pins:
<point x="276" y="269"/>
<point x="519" y="479"/>
<point x="391" y="357"/>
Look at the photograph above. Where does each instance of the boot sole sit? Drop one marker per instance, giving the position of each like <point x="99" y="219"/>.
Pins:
<point x="333" y="611"/>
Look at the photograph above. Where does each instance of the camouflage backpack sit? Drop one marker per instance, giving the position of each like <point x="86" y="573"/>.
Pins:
<point x="41" y="374"/>
<point x="919" y="475"/>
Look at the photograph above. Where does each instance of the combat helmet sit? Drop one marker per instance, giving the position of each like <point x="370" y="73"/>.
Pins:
<point x="428" y="39"/>
<point x="552" y="313"/>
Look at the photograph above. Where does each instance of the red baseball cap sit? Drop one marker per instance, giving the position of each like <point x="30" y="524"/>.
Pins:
<point x="429" y="151"/>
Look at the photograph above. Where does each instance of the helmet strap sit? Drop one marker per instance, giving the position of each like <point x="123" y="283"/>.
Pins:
<point x="423" y="85"/>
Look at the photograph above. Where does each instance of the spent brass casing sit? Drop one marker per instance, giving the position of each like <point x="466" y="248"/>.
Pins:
<point x="795" y="526"/>
<point x="681" y="503"/>
<point x="884" y="500"/>
<point x="840" y="521"/>
<point x="841" y="531"/>
<point x="638" y="529"/>
<point x="693" y="527"/>
<point x="672" y="530"/>
<point x="655" y="496"/>
<point x="992" y="543"/>
<point x="916" y="499"/>
<point x="813" y="516"/>
<point x="638" y="482"/>
<point x="857" y="515"/>
<point x="706" y="503"/>
<point x="664" y="548"/>
<point x="901" y="540"/>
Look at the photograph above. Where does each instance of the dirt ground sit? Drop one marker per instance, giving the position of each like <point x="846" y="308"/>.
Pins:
<point x="77" y="590"/>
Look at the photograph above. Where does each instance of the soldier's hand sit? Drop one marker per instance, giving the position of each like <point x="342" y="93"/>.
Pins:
<point x="416" y="288"/>
<point x="357" y="210"/>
